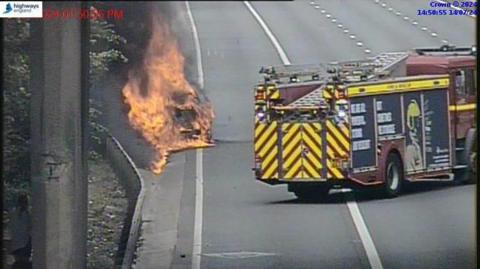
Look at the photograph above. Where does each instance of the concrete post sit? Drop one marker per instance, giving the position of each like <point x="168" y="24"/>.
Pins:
<point x="59" y="168"/>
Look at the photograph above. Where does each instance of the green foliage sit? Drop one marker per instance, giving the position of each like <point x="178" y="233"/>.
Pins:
<point x="104" y="44"/>
<point x="105" y="50"/>
<point x="16" y="106"/>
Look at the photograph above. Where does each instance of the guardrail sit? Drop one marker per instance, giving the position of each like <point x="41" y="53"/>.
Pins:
<point x="133" y="183"/>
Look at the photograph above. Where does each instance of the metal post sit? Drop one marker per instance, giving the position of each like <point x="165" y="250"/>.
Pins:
<point x="59" y="169"/>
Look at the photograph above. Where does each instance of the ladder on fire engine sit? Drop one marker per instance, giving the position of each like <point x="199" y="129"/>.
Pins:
<point x="355" y="71"/>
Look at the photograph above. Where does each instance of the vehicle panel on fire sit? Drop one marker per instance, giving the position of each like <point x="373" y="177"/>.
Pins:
<point x="376" y="122"/>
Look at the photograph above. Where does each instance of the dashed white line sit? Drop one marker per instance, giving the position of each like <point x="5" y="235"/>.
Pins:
<point x="358" y="221"/>
<point x="281" y="52"/>
<point x="198" y="218"/>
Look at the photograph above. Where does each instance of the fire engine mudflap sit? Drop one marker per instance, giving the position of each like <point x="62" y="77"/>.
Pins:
<point x="366" y="133"/>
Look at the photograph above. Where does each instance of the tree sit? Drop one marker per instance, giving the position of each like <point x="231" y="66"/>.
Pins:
<point x="105" y="50"/>
<point x="16" y="107"/>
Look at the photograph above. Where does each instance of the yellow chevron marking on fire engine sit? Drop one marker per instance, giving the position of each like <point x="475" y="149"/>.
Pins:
<point x="266" y="135"/>
<point x="270" y="156"/>
<point x="314" y="160"/>
<point x="268" y="145"/>
<point x="270" y="168"/>
<point x="295" y="155"/>
<point x="311" y="131"/>
<point x="311" y="171"/>
<point x="336" y="172"/>
<point x="259" y="129"/>
<point x="330" y="153"/>
<point x="327" y="92"/>
<point x="294" y="169"/>
<point x="293" y="131"/>
<point x="291" y="145"/>
<point x="332" y="144"/>
<point x="273" y="92"/>
<point x="396" y="87"/>
<point x="311" y="145"/>
<point x="338" y="135"/>
<point x="345" y="131"/>
<point x="463" y="107"/>
<point x="272" y="171"/>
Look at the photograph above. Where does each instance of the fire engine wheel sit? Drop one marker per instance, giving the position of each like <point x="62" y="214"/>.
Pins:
<point x="469" y="174"/>
<point x="393" y="176"/>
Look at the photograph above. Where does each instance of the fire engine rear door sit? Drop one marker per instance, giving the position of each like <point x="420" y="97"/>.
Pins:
<point x="301" y="151"/>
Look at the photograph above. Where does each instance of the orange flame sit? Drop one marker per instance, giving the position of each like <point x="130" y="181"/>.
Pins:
<point x="164" y="107"/>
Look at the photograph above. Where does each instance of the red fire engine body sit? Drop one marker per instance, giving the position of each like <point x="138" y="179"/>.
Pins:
<point x="379" y="122"/>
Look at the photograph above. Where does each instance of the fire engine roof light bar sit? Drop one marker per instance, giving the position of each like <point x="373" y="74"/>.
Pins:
<point x="447" y="49"/>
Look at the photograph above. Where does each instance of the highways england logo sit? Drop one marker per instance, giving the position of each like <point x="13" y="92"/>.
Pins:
<point x="21" y="9"/>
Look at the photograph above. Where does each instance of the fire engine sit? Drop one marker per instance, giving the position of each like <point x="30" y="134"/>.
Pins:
<point x="381" y="122"/>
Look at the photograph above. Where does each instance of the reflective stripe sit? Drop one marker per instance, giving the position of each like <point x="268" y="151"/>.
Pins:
<point x="396" y="87"/>
<point x="463" y="107"/>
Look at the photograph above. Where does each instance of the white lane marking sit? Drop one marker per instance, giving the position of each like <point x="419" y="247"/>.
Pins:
<point x="196" y="40"/>
<point x="281" y="52"/>
<point x="367" y="242"/>
<point x="452" y="6"/>
<point x="239" y="255"/>
<point x="198" y="219"/>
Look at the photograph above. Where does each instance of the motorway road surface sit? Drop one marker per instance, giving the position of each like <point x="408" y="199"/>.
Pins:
<point x="247" y="224"/>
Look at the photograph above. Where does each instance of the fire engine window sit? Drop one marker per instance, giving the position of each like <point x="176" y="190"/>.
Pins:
<point x="469" y="82"/>
<point x="460" y="82"/>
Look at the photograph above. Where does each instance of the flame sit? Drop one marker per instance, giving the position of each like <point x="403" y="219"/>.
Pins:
<point x="163" y="106"/>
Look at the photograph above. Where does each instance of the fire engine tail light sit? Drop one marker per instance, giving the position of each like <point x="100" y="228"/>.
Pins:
<point x="258" y="162"/>
<point x="260" y="96"/>
<point x="342" y="164"/>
